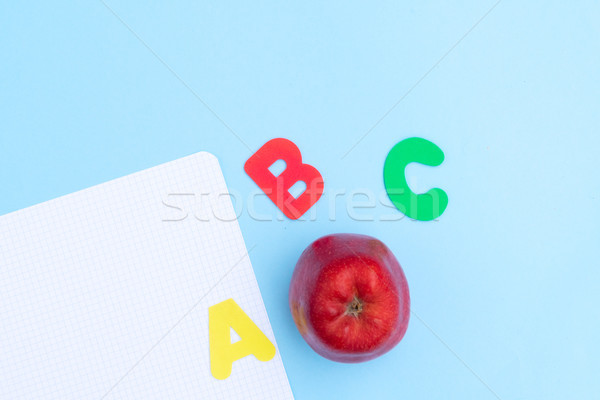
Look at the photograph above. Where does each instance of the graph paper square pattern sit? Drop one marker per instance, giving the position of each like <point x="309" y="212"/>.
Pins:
<point x="104" y="293"/>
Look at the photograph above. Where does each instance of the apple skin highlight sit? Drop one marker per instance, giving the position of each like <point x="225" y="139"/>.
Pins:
<point x="349" y="298"/>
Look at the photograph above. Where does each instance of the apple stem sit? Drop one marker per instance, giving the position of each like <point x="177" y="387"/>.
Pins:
<point x="355" y="307"/>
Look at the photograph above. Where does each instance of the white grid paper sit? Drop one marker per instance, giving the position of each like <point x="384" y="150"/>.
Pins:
<point x="91" y="281"/>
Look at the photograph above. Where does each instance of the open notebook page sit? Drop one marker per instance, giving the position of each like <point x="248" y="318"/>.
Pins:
<point x="105" y="292"/>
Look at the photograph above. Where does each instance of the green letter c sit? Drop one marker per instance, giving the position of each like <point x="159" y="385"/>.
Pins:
<point x="422" y="207"/>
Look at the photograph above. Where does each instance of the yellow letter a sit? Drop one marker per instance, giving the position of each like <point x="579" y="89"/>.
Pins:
<point x="221" y="318"/>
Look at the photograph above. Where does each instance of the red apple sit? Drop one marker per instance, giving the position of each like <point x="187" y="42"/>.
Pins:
<point x="349" y="297"/>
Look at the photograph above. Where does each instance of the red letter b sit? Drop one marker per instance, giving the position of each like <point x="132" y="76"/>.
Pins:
<point x="277" y="188"/>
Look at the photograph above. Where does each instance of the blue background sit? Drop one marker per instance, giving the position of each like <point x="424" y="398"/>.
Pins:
<point x="505" y="286"/>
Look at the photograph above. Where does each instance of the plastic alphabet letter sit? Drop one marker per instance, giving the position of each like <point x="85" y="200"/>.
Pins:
<point x="222" y="317"/>
<point x="277" y="187"/>
<point x="422" y="207"/>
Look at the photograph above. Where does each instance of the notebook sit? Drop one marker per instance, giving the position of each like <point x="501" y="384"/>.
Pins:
<point x="106" y="294"/>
